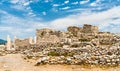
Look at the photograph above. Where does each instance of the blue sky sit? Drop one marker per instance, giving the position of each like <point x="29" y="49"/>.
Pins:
<point x="22" y="17"/>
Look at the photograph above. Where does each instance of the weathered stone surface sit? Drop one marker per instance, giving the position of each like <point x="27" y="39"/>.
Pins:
<point x="90" y="29"/>
<point x="48" y="35"/>
<point x="22" y="44"/>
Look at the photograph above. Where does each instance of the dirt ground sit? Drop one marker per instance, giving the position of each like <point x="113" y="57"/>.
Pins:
<point x="14" y="62"/>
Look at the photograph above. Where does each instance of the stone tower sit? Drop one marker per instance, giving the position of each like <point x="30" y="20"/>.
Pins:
<point x="8" y="43"/>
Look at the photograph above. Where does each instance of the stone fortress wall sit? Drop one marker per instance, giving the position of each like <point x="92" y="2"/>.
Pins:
<point x="52" y="36"/>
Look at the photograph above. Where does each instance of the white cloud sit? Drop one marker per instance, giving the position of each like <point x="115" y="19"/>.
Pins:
<point x="75" y="3"/>
<point x="26" y="3"/>
<point x="66" y="2"/>
<point x="44" y="13"/>
<point x="23" y="2"/>
<point x="98" y="0"/>
<point x="55" y="5"/>
<point x="2" y="12"/>
<point x="28" y="8"/>
<point x="5" y="28"/>
<point x="46" y="0"/>
<point x="54" y="9"/>
<point x="30" y="13"/>
<point x="23" y="6"/>
<point x="65" y="8"/>
<point x="84" y="2"/>
<point x="84" y="9"/>
<point x="18" y="7"/>
<point x="95" y="3"/>
<point x="18" y="26"/>
<point x="14" y="1"/>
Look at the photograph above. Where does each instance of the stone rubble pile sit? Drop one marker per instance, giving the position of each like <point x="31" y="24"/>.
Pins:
<point x="81" y="55"/>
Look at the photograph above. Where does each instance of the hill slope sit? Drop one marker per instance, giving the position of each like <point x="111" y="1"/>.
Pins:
<point x="2" y="41"/>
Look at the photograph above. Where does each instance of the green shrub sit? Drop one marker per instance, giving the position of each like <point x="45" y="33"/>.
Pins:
<point x="65" y="54"/>
<point x="53" y="54"/>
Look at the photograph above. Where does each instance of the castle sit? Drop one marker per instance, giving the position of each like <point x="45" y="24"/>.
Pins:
<point x="87" y="33"/>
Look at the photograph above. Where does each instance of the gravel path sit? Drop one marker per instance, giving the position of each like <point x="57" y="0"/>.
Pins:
<point x="14" y="62"/>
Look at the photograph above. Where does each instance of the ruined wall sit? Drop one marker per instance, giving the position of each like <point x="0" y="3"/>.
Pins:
<point x="22" y="43"/>
<point x="48" y="35"/>
<point x="90" y="29"/>
<point x="104" y="34"/>
<point x="50" y="39"/>
<point x="86" y="31"/>
<point x="75" y="31"/>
